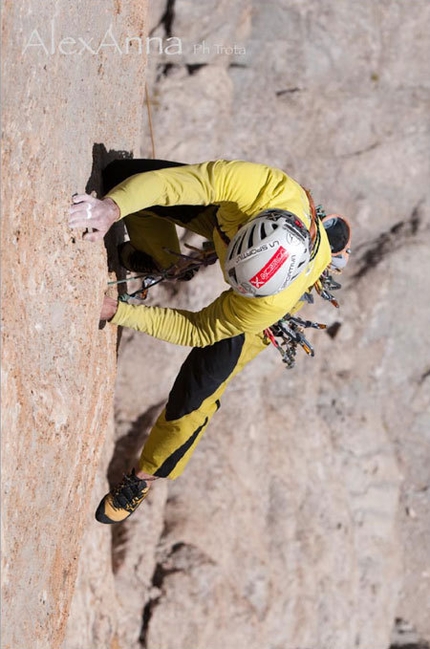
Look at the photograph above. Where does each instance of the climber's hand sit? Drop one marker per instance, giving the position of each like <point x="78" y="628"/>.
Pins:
<point x="109" y="308"/>
<point x="90" y="212"/>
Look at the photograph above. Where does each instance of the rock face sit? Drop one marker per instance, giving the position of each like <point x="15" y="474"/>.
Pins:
<point x="302" y="521"/>
<point x="58" y="367"/>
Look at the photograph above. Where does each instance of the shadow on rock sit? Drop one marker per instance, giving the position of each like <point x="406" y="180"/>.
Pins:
<point x="127" y="448"/>
<point x="99" y="183"/>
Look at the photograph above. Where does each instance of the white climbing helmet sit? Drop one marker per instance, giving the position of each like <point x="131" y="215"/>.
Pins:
<point x="267" y="253"/>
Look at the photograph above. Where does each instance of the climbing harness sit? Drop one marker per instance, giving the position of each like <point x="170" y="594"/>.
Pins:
<point x="184" y="270"/>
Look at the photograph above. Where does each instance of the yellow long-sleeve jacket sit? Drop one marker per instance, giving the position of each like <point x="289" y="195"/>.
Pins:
<point x="241" y="190"/>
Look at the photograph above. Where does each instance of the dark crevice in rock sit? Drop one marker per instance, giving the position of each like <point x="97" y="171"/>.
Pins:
<point x="101" y="158"/>
<point x="387" y="243"/>
<point x="424" y="376"/>
<point x="164" y="69"/>
<point x="361" y="151"/>
<point x="333" y="329"/>
<point x="166" y="20"/>
<point x="161" y="571"/>
<point x="160" y="574"/>
<point x="193" y="68"/>
<point x="181" y="557"/>
<point x="147" y="614"/>
<point x="287" y="91"/>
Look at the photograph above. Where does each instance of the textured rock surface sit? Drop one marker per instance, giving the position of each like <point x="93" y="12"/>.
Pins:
<point x="58" y="367"/>
<point x="302" y="522"/>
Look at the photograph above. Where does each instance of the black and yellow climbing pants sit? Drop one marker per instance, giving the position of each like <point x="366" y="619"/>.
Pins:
<point x="193" y="400"/>
<point x="205" y="374"/>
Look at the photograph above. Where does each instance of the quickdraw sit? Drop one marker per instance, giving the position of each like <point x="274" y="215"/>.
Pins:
<point x="290" y="332"/>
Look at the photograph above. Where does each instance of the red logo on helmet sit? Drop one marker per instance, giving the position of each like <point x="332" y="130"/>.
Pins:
<point x="270" y="268"/>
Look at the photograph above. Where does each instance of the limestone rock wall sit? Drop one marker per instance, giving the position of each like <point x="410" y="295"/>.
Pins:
<point x="66" y="91"/>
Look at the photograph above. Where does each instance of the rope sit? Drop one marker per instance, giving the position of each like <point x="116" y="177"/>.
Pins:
<point x="151" y="130"/>
<point x="313" y="229"/>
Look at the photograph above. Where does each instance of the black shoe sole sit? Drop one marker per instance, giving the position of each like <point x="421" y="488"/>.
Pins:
<point x="101" y="516"/>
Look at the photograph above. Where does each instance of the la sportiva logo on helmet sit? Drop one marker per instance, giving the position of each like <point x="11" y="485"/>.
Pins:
<point x="254" y="251"/>
<point x="270" y="268"/>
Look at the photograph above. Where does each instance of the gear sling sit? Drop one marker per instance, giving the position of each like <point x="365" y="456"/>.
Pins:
<point x="206" y="372"/>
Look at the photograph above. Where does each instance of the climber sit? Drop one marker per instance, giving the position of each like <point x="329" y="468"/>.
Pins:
<point x="273" y="248"/>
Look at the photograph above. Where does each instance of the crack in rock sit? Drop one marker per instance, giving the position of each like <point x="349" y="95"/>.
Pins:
<point x="164" y="69"/>
<point x="387" y="243"/>
<point x="167" y="19"/>
<point x="193" y="68"/>
<point x="288" y="91"/>
<point x="424" y="376"/>
<point x="181" y="557"/>
<point x="333" y="329"/>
